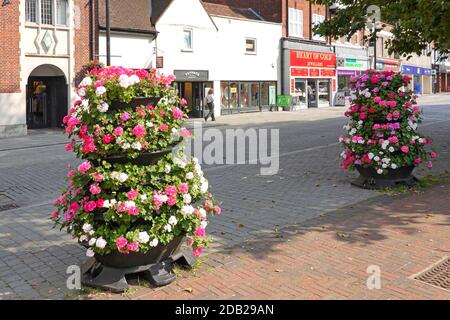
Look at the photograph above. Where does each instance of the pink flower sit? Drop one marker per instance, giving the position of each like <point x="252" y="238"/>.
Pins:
<point x="133" y="246"/>
<point x="100" y="203"/>
<point x="377" y="99"/>
<point x="55" y="214"/>
<point x="85" y="166"/>
<point x="132" y="194"/>
<point x="433" y="154"/>
<point x="118" y="131"/>
<point x="98" y="177"/>
<point x="108" y="138"/>
<point x="172" y="201"/>
<point x="183" y="188"/>
<point x="121" y="242"/>
<point x="71" y="173"/>
<point x="218" y="210"/>
<point x="197" y="252"/>
<point x="186" y="133"/>
<point x="200" y="232"/>
<point x="139" y="131"/>
<point x="418" y="160"/>
<point x="73" y="121"/>
<point x="125" y="116"/>
<point x="363" y="116"/>
<point x="170" y="191"/>
<point x="177" y="113"/>
<point x="183" y="101"/>
<point x="163" y="127"/>
<point x="89" y="206"/>
<point x="95" y="189"/>
<point x="133" y="211"/>
<point x="69" y="147"/>
<point x="405" y="149"/>
<point x="374" y="79"/>
<point x="391" y="96"/>
<point x="430" y="164"/>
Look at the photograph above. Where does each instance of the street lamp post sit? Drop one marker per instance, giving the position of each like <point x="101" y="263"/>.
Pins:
<point x="108" y="35"/>
<point x="374" y="40"/>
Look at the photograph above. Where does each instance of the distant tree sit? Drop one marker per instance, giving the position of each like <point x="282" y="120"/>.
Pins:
<point x="416" y="23"/>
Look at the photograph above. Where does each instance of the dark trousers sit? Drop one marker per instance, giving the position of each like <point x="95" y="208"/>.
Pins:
<point x="210" y="112"/>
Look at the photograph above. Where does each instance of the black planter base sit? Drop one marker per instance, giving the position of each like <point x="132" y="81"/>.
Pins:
<point x="369" y="179"/>
<point x="97" y="275"/>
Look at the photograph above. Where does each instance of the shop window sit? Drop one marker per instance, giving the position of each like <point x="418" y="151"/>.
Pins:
<point x="234" y="95"/>
<point x="244" y="95"/>
<point x="187" y="39"/>
<point x="254" y="94"/>
<point x="250" y="45"/>
<point x="225" y="95"/>
<point x="324" y="91"/>
<point x="30" y="10"/>
<point x="295" y="23"/>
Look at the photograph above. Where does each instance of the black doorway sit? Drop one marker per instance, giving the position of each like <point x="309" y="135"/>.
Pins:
<point x="46" y="102"/>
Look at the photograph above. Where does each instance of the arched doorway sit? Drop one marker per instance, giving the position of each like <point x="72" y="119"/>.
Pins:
<point x="46" y="97"/>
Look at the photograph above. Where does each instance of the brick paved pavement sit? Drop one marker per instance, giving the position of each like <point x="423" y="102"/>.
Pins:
<point x="33" y="257"/>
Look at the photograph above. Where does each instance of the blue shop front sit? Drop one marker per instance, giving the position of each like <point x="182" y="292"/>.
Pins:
<point x="421" y="78"/>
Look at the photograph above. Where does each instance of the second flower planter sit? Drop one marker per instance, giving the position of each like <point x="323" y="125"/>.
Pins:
<point x="370" y="179"/>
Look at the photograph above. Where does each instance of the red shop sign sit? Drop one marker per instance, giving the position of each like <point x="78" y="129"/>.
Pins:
<point x="313" y="59"/>
<point x="327" y="72"/>
<point x="313" y="72"/>
<point x="299" y="72"/>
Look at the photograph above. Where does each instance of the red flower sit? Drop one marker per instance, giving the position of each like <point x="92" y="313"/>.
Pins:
<point x="139" y="131"/>
<point x="108" y="138"/>
<point x="89" y="206"/>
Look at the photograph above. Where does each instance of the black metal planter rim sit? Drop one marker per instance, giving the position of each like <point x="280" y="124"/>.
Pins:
<point x="136" y="102"/>
<point x="108" y="272"/>
<point x="146" y="158"/>
<point x="370" y="179"/>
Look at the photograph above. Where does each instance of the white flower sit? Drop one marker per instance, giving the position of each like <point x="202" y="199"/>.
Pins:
<point x="100" y="243"/>
<point x="92" y="241"/>
<point x="380" y="171"/>
<point x="87" y="227"/>
<point x="134" y="79"/>
<point x="90" y="252"/>
<point x="81" y="92"/>
<point x="394" y="166"/>
<point x="154" y="243"/>
<point x="122" y="177"/>
<point x="187" y="198"/>
<point x="204" y="187"/>
<point x="124" y="81"/>
<point x="422" y="140"/>
<point x="202" y="213"/>
<point x="130" y="204"/>
<point x="143" y="197"/>
<point x="126" y="146"/>
<point x="168" y="228"/>
<point x="164" y="198"/>
<point x="87" y="81"/>
<point x="103" y="107"/>
<point x="149" y="124"/>
<point x="391" y="149"/>
<point x="91" y="233"/>
<point x="384" y="165"/>
<point x="143" y="237"/>
<point x="367" y="94"/>
<point x="187" y="210"/>
<point x="113" y="202"/>
<point x="370" y="155"/>
<point x="85" y="105"/>
<point x="136" y="145"/>
<point x="203" y="224"/>
<point x="100" y="90"/>
<point x="83" y="238"/>
<point x="167" y="168"/>
<point x="376" y="158"/>
<point x="189" y="176"/>
<point x="172" y="220"/>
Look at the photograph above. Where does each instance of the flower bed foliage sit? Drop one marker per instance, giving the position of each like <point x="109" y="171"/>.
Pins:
<point x="127" y="207"/>
<point x="382" y="128"/>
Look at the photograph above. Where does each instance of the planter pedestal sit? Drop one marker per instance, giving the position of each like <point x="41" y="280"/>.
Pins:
<point x="370" y="179"/>
<point x="108" y="272"/>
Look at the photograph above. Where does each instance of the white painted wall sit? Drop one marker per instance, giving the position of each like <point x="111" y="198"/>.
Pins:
<point x="128" y="50"/>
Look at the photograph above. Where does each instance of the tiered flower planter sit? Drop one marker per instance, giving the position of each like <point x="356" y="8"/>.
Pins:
<point x="136" y="203"/>
<point x="382" y="143"/>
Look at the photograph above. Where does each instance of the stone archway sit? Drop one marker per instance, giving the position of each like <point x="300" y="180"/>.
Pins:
<point x="47" y="97"/>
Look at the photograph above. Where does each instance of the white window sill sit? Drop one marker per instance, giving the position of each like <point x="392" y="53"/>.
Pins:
<point x="251" y="53"/>
<point x="187" y="50"/>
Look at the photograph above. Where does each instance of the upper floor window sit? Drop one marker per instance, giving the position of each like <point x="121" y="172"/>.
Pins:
<point x="295" y="23"/>
<point x="188" y="39"/>
<point x="47" y="11"/>
<point x="250" y="45"/>
<point x="316" y="20"/>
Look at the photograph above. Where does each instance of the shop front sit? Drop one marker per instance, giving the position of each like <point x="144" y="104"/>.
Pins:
<point x="246" y="96"/>
<point x="388" y="65"/>
<point x="312" y="78"/>
<point x="193" y="86"/>
<point x="421" y="78"/>
<point x="346" y="69"/>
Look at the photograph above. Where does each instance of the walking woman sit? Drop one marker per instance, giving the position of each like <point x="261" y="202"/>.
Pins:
<point x="210" y="104"/>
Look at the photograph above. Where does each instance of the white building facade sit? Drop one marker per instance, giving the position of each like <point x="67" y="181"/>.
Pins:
<point x="235" y="54"/>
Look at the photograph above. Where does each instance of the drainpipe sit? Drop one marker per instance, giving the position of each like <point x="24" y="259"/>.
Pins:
<point x="310" y="20"/>
<point x="108" y="35"/>
<point x="91" y="30"/>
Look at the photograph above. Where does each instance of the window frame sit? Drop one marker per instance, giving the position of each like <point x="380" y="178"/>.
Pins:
<point x="191" y="31"/>
<point x="54" y="14"/>
<point x="315" y="20"/>
<point x="255" y="51"/>
<point x="295" y="25"/>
